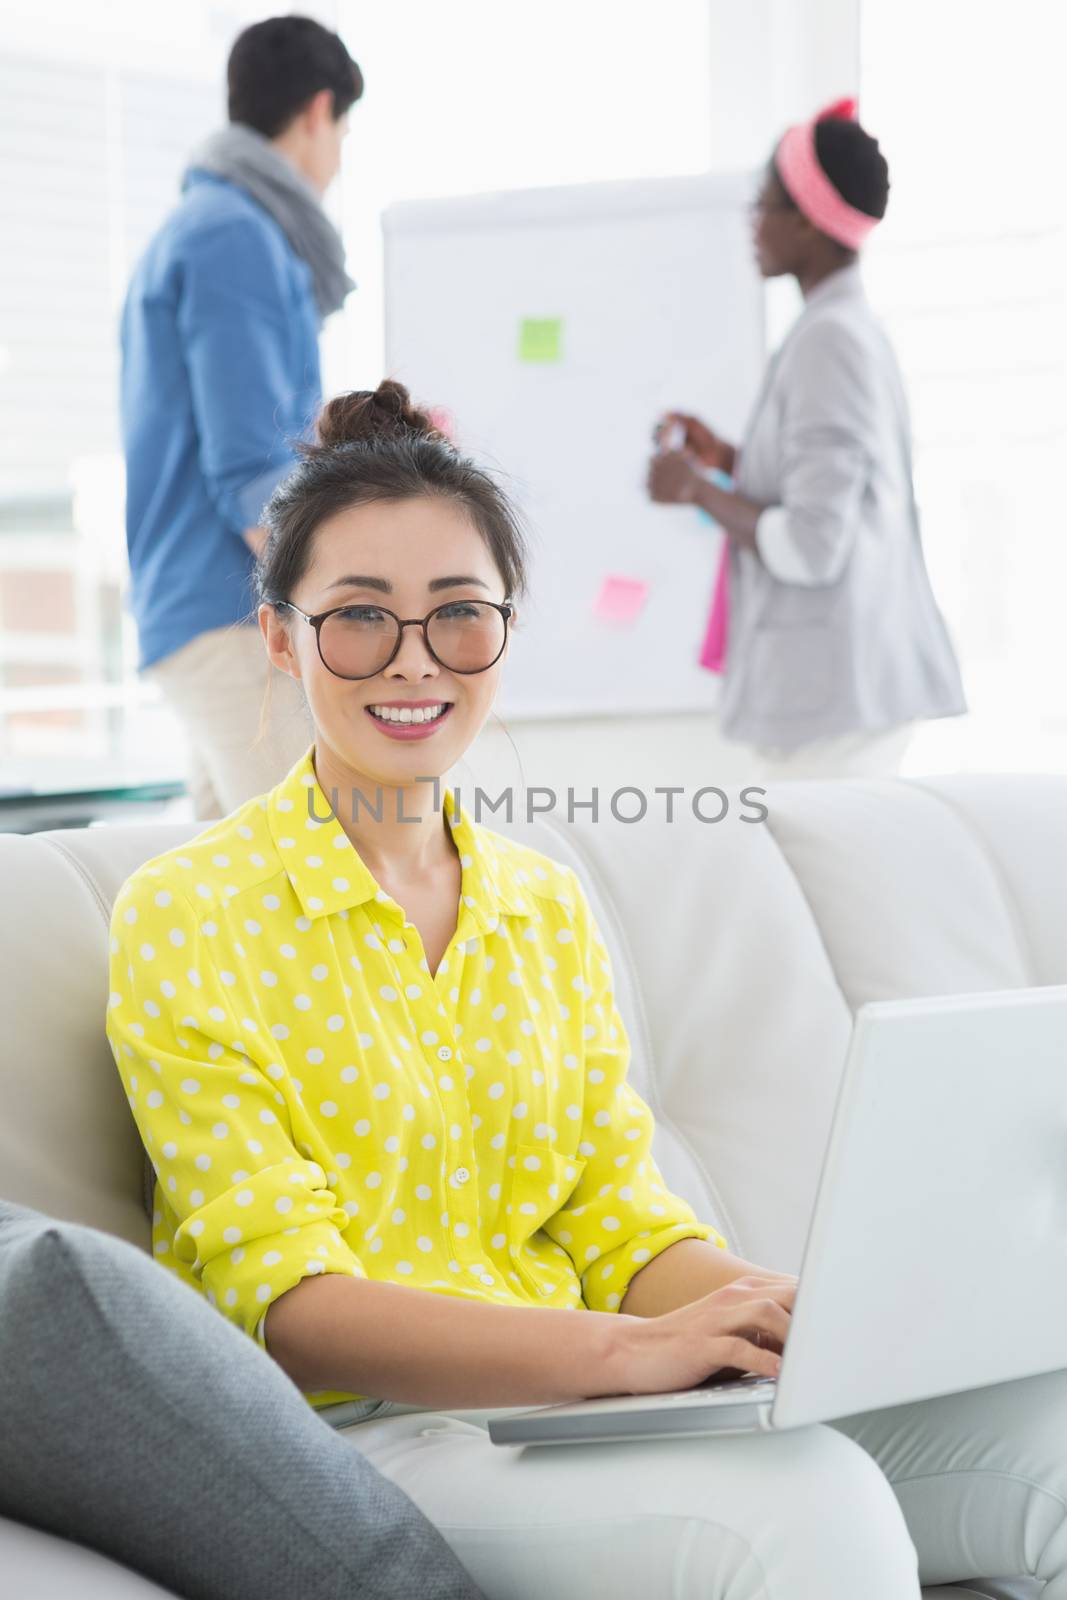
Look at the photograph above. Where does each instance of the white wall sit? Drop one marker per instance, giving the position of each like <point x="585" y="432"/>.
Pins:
<point x="487" y="96"/>
<point x="774" y="62"/>
<point x="969" y="274"/>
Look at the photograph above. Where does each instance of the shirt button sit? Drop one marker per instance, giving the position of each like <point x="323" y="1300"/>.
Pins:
<point x="444" y="1053"/>
<point x="461" y="1175"/>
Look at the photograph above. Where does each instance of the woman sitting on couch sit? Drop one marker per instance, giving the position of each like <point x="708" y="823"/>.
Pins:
<point x="382" y="1079"/>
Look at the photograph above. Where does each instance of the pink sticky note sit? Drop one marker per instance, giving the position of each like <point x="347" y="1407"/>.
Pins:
<point x="620" y="599"/>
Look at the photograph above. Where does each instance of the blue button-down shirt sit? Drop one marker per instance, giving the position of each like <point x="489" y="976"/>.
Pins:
<point x="220" y="374"/>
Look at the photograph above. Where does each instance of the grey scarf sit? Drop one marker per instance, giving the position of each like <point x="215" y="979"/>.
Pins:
<point x="244" y="157"/>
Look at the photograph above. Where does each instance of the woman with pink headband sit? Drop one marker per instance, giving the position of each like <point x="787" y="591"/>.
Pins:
<point x="823" y="622"/>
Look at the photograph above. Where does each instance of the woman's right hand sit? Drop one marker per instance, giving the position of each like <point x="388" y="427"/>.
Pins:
<point x="709" y="449"/>
<point x="743" y="1325"/>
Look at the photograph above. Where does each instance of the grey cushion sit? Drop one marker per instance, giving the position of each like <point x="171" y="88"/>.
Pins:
<point x="135" y="1419"/>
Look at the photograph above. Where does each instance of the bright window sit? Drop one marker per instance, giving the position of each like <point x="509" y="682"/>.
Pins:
<point x="99" y="108"/>
<point x="970" y="272"/>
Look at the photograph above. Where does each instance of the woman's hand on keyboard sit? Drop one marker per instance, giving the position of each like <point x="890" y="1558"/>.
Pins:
<point x="743" y="1325"/>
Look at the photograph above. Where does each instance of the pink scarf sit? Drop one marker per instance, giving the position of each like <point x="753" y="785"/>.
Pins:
<point x="713" y="650"/>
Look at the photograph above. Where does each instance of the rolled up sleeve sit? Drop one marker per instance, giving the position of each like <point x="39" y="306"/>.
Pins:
<point x="620" y="1214"/>
<point x="254" y="1217"/>
<point x="827" y="432"/>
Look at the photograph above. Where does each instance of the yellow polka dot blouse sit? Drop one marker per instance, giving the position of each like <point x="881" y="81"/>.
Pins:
<point x="313" y="1100"/>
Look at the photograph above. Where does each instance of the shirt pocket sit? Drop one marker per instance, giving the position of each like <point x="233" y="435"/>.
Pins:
<point x="542" y="1181"/>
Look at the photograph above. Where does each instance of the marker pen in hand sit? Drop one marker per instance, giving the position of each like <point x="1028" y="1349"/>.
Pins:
<point x="672" y="436"/>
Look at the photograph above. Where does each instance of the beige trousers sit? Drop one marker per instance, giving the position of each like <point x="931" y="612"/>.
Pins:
<point x="217" y="685"/>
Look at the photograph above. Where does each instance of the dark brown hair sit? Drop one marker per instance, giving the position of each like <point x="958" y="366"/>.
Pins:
<point x="376" y="445"/>
<point x="278" y="65"/>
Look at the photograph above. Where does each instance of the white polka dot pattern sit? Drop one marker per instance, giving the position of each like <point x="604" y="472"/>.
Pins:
<point x="281" y="1041"/>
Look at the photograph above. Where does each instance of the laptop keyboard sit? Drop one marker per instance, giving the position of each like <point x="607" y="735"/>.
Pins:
<point x="748" y="1380"/>
<point x="707" y="1390"/>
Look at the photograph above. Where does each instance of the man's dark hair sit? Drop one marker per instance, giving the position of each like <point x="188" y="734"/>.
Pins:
<point x="277" y="66"/>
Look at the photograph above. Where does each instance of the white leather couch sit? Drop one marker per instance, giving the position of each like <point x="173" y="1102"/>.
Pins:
<point x="741" y="952"/>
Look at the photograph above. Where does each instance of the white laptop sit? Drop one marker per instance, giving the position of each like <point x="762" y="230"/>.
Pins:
<point x="936" y="1259"/>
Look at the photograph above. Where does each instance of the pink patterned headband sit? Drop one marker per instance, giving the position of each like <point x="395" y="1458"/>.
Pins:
<point x="811" y="190"/>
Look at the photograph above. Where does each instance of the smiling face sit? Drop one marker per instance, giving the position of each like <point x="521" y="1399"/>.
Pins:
<point x="407" y="556"/>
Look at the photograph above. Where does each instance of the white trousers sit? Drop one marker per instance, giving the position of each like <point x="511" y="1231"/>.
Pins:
<point x="217" y="685"/>
<point x="938" y="1492"/>
<point x="848" y="755"/>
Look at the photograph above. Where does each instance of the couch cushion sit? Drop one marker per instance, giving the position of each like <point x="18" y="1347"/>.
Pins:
<point x="138" y="1421"/>
<point x="1018" y="822"/>
<point x="72" y="1149"/>
<point x="907" y="899"/>
<point x="39" y="1564"/>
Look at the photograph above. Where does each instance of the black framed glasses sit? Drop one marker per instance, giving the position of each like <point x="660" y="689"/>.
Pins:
<point x="358" y="641"/>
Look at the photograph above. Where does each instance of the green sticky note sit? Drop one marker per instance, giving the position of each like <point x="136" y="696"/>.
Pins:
<point x="541" y="339"/>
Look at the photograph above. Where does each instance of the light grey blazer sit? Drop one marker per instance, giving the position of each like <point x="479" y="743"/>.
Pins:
<point x="833" y="625"/>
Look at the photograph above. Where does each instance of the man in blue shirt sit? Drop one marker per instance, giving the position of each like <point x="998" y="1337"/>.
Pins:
<point x="220" y="377"/>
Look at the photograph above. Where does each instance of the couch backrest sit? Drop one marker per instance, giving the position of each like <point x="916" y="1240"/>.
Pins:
<point x="741" y="951"/>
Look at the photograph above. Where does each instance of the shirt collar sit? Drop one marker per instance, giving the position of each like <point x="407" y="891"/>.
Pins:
<point x="328" y="874"/>
<point x="494" y="882"/>
<point x="845" y="281"/>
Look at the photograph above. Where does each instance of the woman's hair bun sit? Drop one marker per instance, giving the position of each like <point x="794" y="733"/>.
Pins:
<point x="361" y="415"/>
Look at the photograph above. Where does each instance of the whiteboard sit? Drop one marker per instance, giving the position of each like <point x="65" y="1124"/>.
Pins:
<point x="657" y="305"/>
